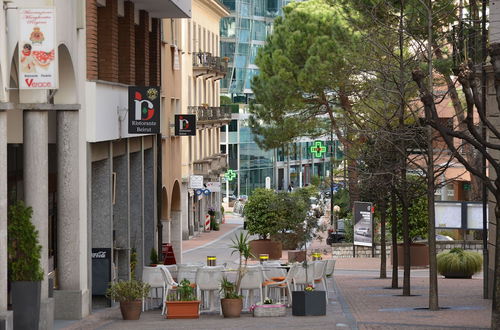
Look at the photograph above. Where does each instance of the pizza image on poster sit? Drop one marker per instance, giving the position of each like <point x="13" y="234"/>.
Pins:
<point x="37" y="49"/>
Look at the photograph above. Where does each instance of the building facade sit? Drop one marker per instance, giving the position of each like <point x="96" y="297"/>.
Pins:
<point x="67" y="151"/>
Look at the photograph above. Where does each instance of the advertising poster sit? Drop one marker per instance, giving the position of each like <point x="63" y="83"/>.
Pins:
<point x="38" y="68"/>
<point x="143" y="110"/>
<point x="363" y="224"/>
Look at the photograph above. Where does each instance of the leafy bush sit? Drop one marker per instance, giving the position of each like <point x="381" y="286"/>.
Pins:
<point x="128" y="290"/>
<point x="153" y="257"/>
<point x="184" y="292"/>
<point x="228" y="289"/>
<point x="24" y="250"/>
<point x="419" y="218"/>
<point x="261" y="213"/>
<point x="459" y="261"/>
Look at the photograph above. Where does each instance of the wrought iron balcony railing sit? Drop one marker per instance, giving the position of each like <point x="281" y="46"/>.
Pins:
<point x="206" y="114"/>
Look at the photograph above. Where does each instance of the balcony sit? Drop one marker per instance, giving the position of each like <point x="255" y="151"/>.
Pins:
<point x="201" y="167"/>
<point x="208" y="66"/>
<point x="211" y="115"/>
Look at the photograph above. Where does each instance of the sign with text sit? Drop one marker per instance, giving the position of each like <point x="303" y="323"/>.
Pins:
<point x="143" y="110"/>
<point x="196" y="182"/>
<point x="185" y="125"/>
<point x="363" y="224"/>
<point x="38" y="66"/>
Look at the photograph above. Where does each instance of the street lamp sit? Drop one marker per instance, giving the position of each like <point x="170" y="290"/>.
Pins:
<point x="336" y="210"/>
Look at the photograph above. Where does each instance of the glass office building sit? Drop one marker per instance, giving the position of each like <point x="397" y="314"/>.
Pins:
<point x="242" y="34"/>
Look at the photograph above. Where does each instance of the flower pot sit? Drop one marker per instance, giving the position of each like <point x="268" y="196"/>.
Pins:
<point x="269" y="310"/>
<point x="456" y="275"/>
<point x="231" y="307"/>
<point x="26" y="304"/>
<point x="131" y="310"/>
<point x="266" y="246"/>
<point x="183" y="309"/>
<point x="308" y="303"/>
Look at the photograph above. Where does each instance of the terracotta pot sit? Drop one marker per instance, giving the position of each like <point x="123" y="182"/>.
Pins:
<point x="231" y="307"/>
<point x="266" y="246"/>
<point x="419" y="255"/>
<point x="131" y="310"/>
<point x="183" y="309"/>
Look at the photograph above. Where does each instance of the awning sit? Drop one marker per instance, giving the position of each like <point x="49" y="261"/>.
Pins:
<point x="165" y="8"/>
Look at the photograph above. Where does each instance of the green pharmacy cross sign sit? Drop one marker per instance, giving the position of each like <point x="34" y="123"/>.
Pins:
<point x="230" y="175"/>
<point x="318" y="149"/>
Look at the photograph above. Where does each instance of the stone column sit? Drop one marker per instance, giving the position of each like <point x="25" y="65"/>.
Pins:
<point x="149" y="204"/>
<point x="136" y="209"/>
<point x="176" y="234"/>
<point x="5" y="317"/>
<point x="36" y="172"/>
<point x="70" y="296"/>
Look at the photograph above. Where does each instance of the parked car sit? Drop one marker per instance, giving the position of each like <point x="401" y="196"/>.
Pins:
<point x="443" y="238"/>
<point x="363" y="231"/>
<point x="336" y="236"/>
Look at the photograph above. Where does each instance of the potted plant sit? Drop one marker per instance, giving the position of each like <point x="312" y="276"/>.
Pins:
<point x="309" y="302"/>
<point x="24" y="270"/>
<point x="268" y="308"/>
<point x="183" y="303"/>
<point x="153" y="258"/>
<point x="130" y="295"/>
<point x="232" y="303"/>
<point x="458" y="263"/>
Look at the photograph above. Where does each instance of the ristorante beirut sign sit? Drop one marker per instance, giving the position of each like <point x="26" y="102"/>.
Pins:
<point x="143" y="110"/>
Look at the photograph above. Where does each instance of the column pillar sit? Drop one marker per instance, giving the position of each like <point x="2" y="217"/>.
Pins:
<point x="176" y="234"/>
<point x="69" y="299"/>
<point x="5" y="317"/>
<point x="36" y="172"/>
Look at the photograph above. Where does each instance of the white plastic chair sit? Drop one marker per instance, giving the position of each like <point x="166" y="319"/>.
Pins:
<point x="284" y="284"/>
<point x="252" y="280"/>
<point x="152" y="276"/>
<point x="330" y="267"/>
<point x="187" y="272"/>
<point x="300" y="278"/>
<point x="320" y="275"/>
<point x="169" y="285"/>
<point x="208" y="279"/>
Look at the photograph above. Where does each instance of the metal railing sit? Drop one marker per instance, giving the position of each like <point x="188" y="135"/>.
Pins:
<point x="208" y="114"/>
<point x="205" y="60"/>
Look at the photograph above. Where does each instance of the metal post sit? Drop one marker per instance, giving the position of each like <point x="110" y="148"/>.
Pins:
<point x="483" y="161"/>
<point x="331" y="182"/>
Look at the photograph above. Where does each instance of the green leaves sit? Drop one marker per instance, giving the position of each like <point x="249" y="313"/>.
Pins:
<point x="458" y="261"/>
<point x="128" y="290"/>
<point x="24" y="250"/>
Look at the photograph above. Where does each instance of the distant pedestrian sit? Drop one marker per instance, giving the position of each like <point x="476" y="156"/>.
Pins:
<point x="290" y="188"/>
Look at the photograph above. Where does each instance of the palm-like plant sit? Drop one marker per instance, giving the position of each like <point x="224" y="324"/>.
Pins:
<point x="242" y="247"/>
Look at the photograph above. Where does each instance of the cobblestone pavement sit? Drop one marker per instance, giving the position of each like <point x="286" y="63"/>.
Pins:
<point x="359" y="300"/>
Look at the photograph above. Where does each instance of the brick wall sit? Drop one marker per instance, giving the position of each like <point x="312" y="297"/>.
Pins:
<point x="107" y="42"/>
<point x="126" y="40"/>
<point x="142" y="49"/>
<point x="91" y="29"/>
<point x="155" y="53"/>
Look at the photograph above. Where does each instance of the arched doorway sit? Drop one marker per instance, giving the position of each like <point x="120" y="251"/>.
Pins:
<point x="176" y="222"/>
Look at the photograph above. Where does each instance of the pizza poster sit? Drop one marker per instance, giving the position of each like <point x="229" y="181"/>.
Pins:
<point x="37" y="49"/>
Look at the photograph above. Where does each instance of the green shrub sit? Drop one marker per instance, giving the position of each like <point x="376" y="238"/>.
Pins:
<point x="184" y="292"/>
<point x="459" y="261"/>
<point x="261" y="213"/>
<point x="128" y="290"/>
<point x="153" y="257"/>
<point x="24" y="250"/>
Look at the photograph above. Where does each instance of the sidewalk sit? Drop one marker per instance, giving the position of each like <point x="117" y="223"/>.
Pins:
<point x="232" y="223"/>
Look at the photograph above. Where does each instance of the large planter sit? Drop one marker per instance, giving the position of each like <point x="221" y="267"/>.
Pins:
<point x="296" y="256"/>
<point x="266" y="246"/>
<point x="419" y="255"/>
<point x="289" y="241"/>
<point x="308" y="303"/>
<point x="26" y="304"/>
<point x="183" y="309"/>
<point x="231" y="307"/>
<point x="131" y="310"/>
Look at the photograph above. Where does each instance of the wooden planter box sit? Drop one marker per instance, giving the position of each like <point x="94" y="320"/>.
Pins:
<point x="419" y="255"/>
<point x="308" y="303"/>
<point x="266" y="246"/>
<point x="183" y="309"/>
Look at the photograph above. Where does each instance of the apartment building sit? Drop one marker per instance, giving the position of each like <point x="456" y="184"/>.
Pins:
<point x="68" y="150"/>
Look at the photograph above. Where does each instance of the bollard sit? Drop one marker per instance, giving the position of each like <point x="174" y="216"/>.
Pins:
<point x="211" y="261"/>
<point x="316" y="256"/>
<point x="263" y="257"/>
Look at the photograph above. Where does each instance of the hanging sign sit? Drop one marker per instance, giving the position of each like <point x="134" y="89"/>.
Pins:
<point x="213" y="186"/>
<point x="38" y="66"/>
<point x="185" y="125"/>
<point x="196" y="182"/>
<point x="143" y="110"/>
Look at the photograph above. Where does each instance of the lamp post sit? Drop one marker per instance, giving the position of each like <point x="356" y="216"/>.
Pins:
<point x="336" y="210"/>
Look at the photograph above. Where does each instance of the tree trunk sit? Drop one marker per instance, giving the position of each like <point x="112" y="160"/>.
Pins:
<point x="495" y="311"/>
<point x="394" y="238"/>
<point x="431" y="226"/>
<point x="406" y="237"/>
<point x="383" y="256"/>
